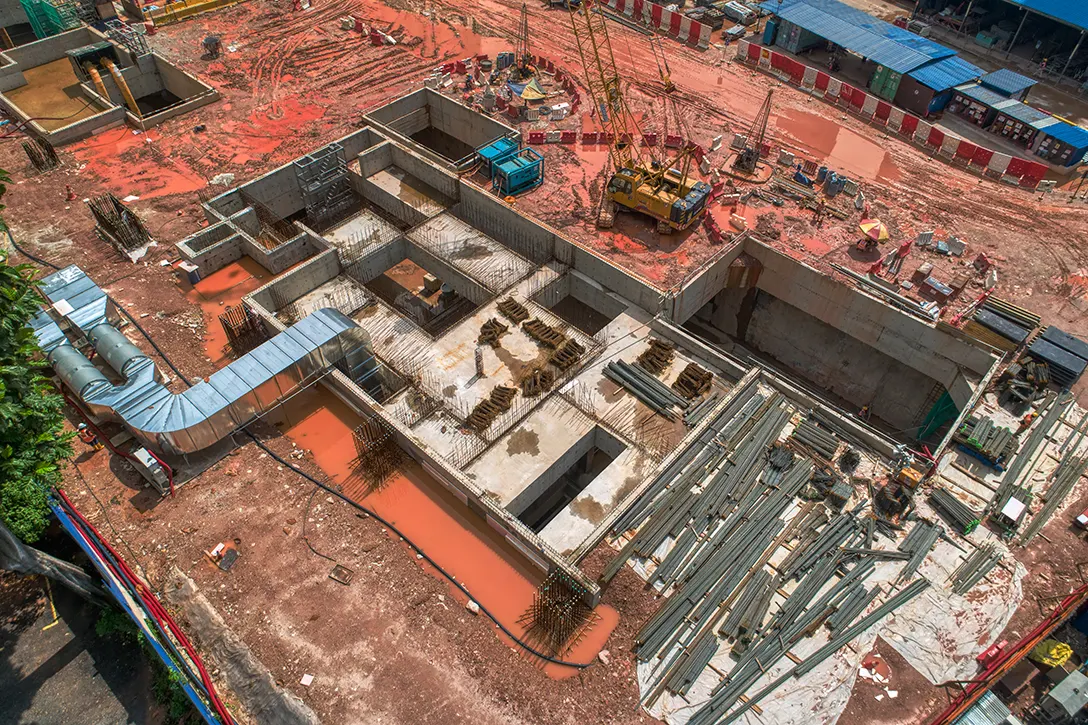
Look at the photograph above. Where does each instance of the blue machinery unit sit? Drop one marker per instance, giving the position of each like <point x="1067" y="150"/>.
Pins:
<point x="495" y="152"/>
<point x="519" y="173"/>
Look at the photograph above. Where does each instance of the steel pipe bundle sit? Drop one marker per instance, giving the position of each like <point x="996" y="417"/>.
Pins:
<point x="697" y="412"/>
<point x="1057" y="408"/>
<point x="954" y="511"/>
<point x="974" y="567"/>
<point x="718" y="707"/>
<point x="918" y="543"/>
<point x="1066" y="476"/>
<point x="648" y="389"/>
<point x="809" y="434"/>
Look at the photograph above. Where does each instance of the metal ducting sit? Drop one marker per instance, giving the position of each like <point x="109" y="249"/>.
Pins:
<point x="112" y="345"/>
<point x="209" y="411"/>
<point x="77" y="372"/>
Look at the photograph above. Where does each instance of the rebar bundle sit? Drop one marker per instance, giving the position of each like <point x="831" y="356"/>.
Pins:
<point x="558" y="616"/>
<point x="649" y="390"/>
<point x="491" y="407"/>
<point x="244" y="330"/>
<point x="974" y="567"/>
<point x="378" y="455"/>
<point x="954" y="511"/>
<point x="815" y="438"/>
<point x="41" y="153"/>
<point x="117" y="224"/>
<point x="1065" y="477"/>
<point x="657" y="357"/>
<point x="693" y="381"/>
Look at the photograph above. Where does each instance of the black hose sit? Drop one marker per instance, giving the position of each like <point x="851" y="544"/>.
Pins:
<point x="524" y="645"/>
<point x="429" y="560"/>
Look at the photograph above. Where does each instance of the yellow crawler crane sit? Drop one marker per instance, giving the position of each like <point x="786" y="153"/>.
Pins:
<point x="640" y="181"/>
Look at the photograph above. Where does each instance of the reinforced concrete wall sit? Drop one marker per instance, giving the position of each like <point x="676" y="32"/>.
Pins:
<point x="705" y="282"/>
<point x="288" y="288"/>
<point x="45" y="51"/>
<point x="881" y="327"/>
<point x="830" y="359"/>
<point x="12" y="13"/>
<point x="386" y="201"/>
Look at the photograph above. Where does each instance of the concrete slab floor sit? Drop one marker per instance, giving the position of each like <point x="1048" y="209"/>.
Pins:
<point x="471" y="251"/>
<point x="52" y="94"/>
<point x="364" y="227"/>
<point x="413" y="192"/>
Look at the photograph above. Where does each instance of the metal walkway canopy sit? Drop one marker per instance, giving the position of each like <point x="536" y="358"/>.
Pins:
<point x="1070" y="12"/>
<point x="861" y="33"/>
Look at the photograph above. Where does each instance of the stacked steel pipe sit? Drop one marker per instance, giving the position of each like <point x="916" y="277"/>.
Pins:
<point x="974" y="567"/>
<point x="954" y="511"/>
<point x="649" y="390"/>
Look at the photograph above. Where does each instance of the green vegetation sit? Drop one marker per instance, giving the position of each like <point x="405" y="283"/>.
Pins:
<point x="32" y="437"/>
<point x="166" y="684"/>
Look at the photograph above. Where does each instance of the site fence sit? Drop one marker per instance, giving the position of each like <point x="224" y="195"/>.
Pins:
<point x="672" y="23"/>
<point x="946" y="146"/>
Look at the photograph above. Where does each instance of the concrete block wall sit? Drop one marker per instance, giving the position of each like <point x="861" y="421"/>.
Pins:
<point x="499" y="221"/>
<point x="285" y="255"/>
<point x="461" y="283"/>
<point x="288" y="288"/>
<point x="387" y="202"/>
<point x="12" y="13"/>
<point x="838" y="363"/>
<point x="434" y="176"/>
<point x="377" y="258"/>
<point x="705" y="283"/>
<point x="463" y="123"/>
<point x="375" y="158"/>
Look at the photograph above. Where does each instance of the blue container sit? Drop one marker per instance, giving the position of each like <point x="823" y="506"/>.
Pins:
<point x="769" y="32"/>
<point x="519" y="173"/>
<point x="494" y="153"/>
<point x="820" y="174"/>
<point x="504" y="60"/>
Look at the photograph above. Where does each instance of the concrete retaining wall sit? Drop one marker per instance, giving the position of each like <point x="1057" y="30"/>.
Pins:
<point x="499" y="221"/>
<point x="896" y="334"/>
<point x="12" y="13"/>
<point x="377" y="258"/>
<point x="387" y="202"/>
<point x="705" y="282"/>
<point x="288" y="288"/>
<point x="434" y="176"/>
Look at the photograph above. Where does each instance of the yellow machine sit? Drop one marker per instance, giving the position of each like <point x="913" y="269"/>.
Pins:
<point x="641" y="182"/>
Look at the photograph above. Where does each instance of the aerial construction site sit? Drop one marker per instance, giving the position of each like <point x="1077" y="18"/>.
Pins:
<point x="561" y="362"/>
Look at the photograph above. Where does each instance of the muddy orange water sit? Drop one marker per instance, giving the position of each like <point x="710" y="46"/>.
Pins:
<point x="840" y="148"/>
<point x="494" y="573"/>
<point x="220" y="290"/>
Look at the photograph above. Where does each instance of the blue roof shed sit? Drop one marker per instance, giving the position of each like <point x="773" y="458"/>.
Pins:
<point x="946" y="73"/>
<point x="1070" y="12"/>
<point x="1007" y="82"/>
<point x="983" y="95"/>
<point x="881" y="42"/>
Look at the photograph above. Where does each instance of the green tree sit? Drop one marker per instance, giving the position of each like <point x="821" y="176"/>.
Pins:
<point x="33" y="442"/>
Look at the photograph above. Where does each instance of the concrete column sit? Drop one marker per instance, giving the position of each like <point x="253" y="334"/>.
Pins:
<point x="1075" y="49"/>
<point x="1012" y="43"/>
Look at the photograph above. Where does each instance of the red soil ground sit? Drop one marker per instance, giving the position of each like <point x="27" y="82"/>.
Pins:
<point x="296" y="81"/>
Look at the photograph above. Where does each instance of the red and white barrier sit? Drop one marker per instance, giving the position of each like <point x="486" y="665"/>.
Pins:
<point x="870" y="108"/>
<point x="674" y="24"/>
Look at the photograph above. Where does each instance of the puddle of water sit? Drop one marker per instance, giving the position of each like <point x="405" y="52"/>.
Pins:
<point x="838" y="147"/>
<point x="493" y="572"/>
<point x="222" y="289"/>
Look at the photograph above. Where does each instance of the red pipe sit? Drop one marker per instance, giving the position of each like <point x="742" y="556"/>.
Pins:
<point x="997" y="668"/>
<point x="152" y="605"/>
<point x="115" y="449"/>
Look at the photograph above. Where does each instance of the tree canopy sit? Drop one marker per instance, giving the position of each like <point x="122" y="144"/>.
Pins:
<point x="33" y="441"/>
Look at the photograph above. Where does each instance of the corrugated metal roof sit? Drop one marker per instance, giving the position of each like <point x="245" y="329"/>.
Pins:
<point x="940" y="75"/>
<point x="987" y="711"/>
<point x="1071" y="12"/>
<point x="983" y="95"/>
<point x="1007" y="81"/>
<point x="858" y="32"/>
<point x="1075" y="136"/>
<point x="1022" y="112"/>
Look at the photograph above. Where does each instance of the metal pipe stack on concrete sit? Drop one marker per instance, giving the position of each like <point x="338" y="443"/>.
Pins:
<point x="1065" y="477"/>
<point x="652" y="392"/>
<point x="974" y="567"/>
<point x="918" y="542"/>
<point x="811" y="435"/>
<point x="724" y="698"/>
<point x="1057" y="408"/>
<point x="954" y="511"/>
